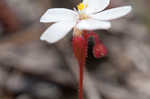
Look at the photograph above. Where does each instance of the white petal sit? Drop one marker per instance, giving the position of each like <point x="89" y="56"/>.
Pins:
<point x="91" y="24"/>
<point x="58" y="14"/>
<point x="57" y="31"/>
<point x="96" y="5"/>
<point x="112" y="13"/>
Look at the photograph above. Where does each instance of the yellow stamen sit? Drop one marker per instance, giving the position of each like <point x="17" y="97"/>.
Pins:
<point x="81" y="6"/>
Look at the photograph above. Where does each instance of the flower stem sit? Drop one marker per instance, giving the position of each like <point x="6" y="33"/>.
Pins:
<point x="80" y="51"/>
<point x="81" y="69"/>
<point x="94" y="35"/>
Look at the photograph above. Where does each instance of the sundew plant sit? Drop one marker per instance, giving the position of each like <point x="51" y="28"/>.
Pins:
<point x="87" y="16"/>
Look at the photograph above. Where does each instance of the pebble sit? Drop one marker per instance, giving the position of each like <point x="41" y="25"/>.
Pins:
<point x="23" y="96"/>
<point x="46" y="91"/>
<point x="16" y="83"/>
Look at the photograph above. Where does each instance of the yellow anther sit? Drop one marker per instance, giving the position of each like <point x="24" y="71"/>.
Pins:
<point x="81" y="6"/>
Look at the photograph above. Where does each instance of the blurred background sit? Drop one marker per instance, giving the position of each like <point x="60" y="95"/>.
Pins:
<point x="34" y="69"/>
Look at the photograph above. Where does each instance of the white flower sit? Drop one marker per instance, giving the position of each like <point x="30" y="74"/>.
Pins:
<point x="90" y="16"/>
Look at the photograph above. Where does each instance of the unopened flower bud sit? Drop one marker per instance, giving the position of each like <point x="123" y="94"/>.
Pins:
<point x="99" y="50"/>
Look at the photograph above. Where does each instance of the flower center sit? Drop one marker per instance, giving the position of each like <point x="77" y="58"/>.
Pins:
<point x="82" y="6"/>
<point x="83" y="16"/>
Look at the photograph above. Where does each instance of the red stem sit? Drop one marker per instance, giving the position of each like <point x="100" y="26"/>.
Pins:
<point x="82" y="65"/>
<point x="96" y="37"/>
<point x="81" y="80"/>
<point x="80" y="51"/>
